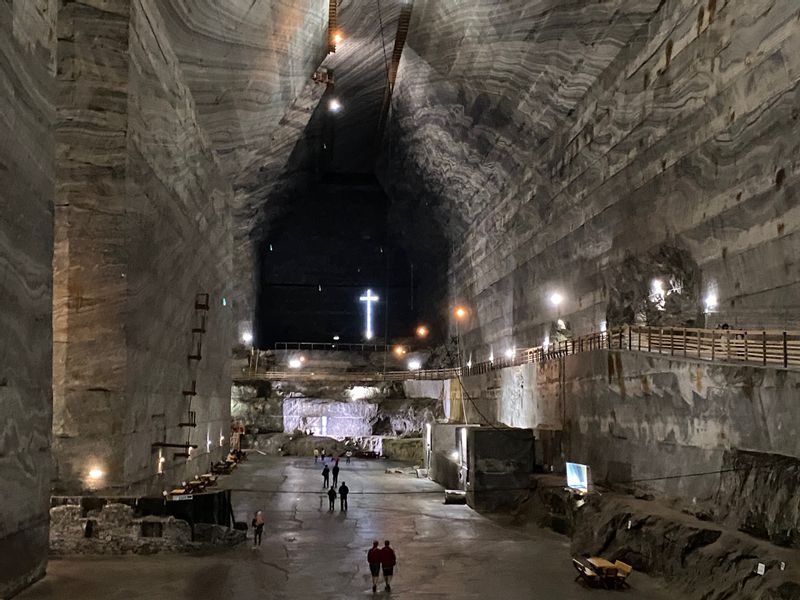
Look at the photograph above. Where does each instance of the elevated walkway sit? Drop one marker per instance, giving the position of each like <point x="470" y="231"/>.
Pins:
<point x="765" y="348"/>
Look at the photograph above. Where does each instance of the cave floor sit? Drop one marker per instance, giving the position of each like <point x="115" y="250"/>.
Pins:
<point x="444" y="551"/>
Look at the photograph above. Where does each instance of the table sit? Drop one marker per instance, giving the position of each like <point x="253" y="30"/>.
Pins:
<point x="605" y="569"/>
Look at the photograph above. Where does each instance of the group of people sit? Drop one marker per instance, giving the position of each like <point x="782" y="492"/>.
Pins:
<point x="381" y="558"/>
<point x="343" y="489"/>
<point x="320" y="453"/>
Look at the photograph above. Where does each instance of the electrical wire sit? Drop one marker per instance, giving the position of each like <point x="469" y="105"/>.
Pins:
<point x="383" y="43"/>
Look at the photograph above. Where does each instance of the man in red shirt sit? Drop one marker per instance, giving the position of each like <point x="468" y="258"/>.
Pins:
<point x="374" y="560"/>
<point x="388" y="561"/>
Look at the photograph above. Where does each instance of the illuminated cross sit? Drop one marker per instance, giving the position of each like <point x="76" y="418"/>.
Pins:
<point x="369" y="298"/>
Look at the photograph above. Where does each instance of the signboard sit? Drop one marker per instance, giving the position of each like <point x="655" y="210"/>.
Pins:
<point x="578" y="477"/>
<point x="181" y="497"/>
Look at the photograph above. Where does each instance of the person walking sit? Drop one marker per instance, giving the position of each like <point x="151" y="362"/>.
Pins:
<point x="258" y="528"/>
<point x="388" y="562"/>
<point x="348" y="455"/>
<point x="335" y="474"/>
<point x="343" y="491"/>
<point x="325" y="476"/>
<point x="374" y="560"/>
<point x="331" y="499"/>
<point x="316" y="455"/>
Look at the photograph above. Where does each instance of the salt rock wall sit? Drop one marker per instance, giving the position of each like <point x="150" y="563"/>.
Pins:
<point x="27" y="187"/>
<point x="553" y="141"/>
<point x="248" y="64"/>
<point x="142" y="226"/>
<point x="328" y="418"/>
<point x="256" y="408"/>
<point x="650" y="424"/>
<point x="388" y="409"/>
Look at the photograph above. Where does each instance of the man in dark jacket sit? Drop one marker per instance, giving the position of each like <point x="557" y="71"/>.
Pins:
<point x="325" y="476"/>
<point x="343" y="491"/>
<point x="335" y="474"/>
<point x="388" y="561"/>
<point x="374" y="560"/>
<point x="331" y="498"/>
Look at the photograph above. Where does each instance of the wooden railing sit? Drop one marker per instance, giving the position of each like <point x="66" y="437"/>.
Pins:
<point x="759" y="347"/>
<point x="775" y="348"/>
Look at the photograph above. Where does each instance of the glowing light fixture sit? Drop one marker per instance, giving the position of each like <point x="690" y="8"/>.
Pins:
<point x="334" y="105"/>
<point x="414" y="365"/>
<point x="369" y="298"/>
<point x="337" y="38"/>
<point x="336" y="338"/>
<point x="295" y="363"/>
<point x="96" y="473"/>
<point x="510" y="353"/>
<point x="247" y="337"/>
<point x="422" y="331"/>
<point x="556" y="299"/>
<point x="399" y="350"/>
<point x="603" y="326"/>
<point x="454" y="455"/>
<point x="460" y="313"/>
<point x="711" y="302"/>
<point x="224" y="301"/>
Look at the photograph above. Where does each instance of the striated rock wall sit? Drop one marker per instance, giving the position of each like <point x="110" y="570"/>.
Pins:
<point x="27" y="188"/>
<point x="142" y="226"/>
<point x="248" y="65"/>
<point x="666" y="427"/>
<point x="555" y="141"/>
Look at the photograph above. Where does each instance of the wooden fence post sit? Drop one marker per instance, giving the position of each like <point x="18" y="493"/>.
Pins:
<point x="785" y="353"/>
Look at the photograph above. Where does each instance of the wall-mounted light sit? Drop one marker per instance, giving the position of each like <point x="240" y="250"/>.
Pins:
<point x="295" y="363"/>
<point x="454" y="455"/>
<point x="711" y="302"/>
<point x="336" y="338"/>
<point x="556" y="299"/>
<point x="96" y="473"/>
<point x="399" y="350"/>
<point x="247" y="337"/>
<point x="460" y="313"/>
<point x="510" y="353"/>
<point x="422" y="331"/>
<point x="414" y="365"/>
<point x="334" y="105"/>
<point x="337" y="38"/>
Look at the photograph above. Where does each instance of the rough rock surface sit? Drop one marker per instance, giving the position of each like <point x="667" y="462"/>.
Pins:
<point x="142" y="226"/>
<point x="386" y="409"/>
<point x="115" y="530"/>
<point x="566" y="137"/>
<point x="700" y="560"/>
<point x="27" y="174"/>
